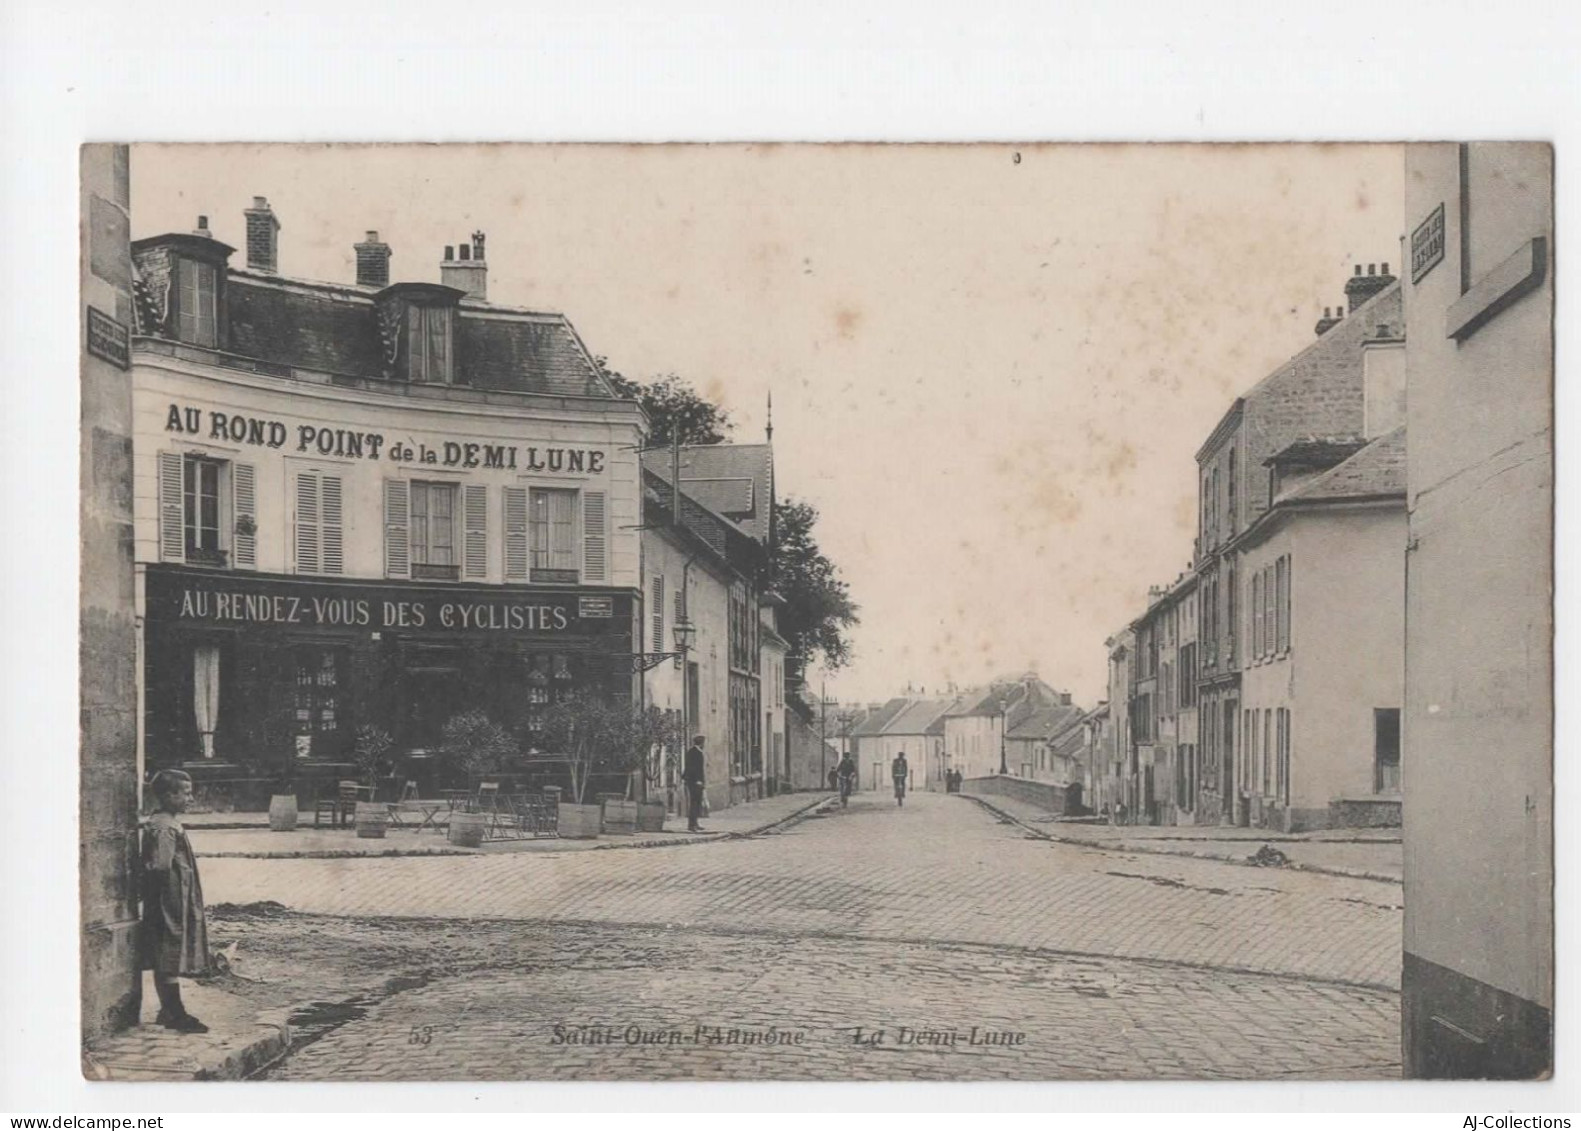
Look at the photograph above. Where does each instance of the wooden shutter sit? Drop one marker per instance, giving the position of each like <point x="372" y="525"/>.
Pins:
<point x="331" y="531"/>
<point x="172" y="528"/>
<point x="244" y="504"/>
<point x="595" y="543"/>
<point x="475" y="517"/>
<point x="515" y="534"/>
<point x="658" y="613"/>
<point x="308" y="548"/>
<point x="397" y="550"/>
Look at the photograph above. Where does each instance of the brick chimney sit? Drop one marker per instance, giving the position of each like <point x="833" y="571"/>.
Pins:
<point x="1359" y="288"/>
<point x="1327" y="322"/>
<point x="263" y="236"/>
<point x="467" y="272"/>
<point x="373" y="262"/>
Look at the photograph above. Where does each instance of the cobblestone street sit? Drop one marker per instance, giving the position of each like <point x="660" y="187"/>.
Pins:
<point x="933" y="919"/>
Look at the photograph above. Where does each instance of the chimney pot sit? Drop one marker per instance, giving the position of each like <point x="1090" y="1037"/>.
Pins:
<point x="203" y="223"/>
<point x="465" y="251"/>
<point x="373" y="236"/>
<point x="1385" y="268"/>
<point x="260" y="202"/>
<point x="467" y="273"/>
<point x="1372" y="268"/>
<point x="450" y="252"/>
<point x="1358" y="268"/>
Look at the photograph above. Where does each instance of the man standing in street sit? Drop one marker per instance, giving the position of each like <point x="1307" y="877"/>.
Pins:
<point x="692" y="775"/>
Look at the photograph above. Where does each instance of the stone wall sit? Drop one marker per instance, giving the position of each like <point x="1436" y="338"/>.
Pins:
<point x="1061" y="800"/>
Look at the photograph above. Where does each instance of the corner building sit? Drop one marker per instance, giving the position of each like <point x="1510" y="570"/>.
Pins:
<point x="365" y="503"/>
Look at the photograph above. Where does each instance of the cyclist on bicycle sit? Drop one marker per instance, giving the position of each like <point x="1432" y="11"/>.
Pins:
<point x="901" y="773"/>
<point x="847" y="772"/>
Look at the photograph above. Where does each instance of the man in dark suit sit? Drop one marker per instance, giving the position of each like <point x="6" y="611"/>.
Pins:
<point x="692" y="775"/>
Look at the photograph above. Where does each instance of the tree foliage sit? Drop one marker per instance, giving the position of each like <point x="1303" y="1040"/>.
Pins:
<point x="672" y="404"/>
<point x="818" y="607"/>
<point x="597" y="735"/>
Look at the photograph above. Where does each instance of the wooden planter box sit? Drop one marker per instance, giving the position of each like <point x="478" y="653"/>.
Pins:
<point x="620" y="817"/>
<point x="580" y="822"/>
<point x="373" y="819"/>
<point x="466" y="829"/>
<point x="650" y="817"/>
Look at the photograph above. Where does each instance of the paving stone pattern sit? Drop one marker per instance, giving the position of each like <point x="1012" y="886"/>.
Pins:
<point x="574" y="1002"/>
<point x="940" y="870"/>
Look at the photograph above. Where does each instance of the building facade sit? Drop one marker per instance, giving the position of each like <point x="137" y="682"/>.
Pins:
<point x="1477" y="985"/>
<point x="1321" y="391"/>
<point x="366" y="503"/>
<point x="1323" y="641"/>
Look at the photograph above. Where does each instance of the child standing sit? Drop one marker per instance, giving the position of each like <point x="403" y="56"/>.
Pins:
<point x="175" y="933"/>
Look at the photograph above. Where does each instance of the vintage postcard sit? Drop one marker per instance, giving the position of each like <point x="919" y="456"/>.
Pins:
<point x="817" y="612"/>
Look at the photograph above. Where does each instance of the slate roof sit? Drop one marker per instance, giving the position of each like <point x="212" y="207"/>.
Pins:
<point x="918" y="716"/>
<point x="1044" y="722"/>
<point x="334" y="328"/>
<point x="732" y="544"/>
<point x="1378" y="470"/>
<point x="873" y="725"/>
<point x="735" y="480"/>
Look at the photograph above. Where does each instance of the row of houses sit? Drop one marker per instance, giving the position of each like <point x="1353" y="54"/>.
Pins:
<point x="1018" y="726"/>
<point x="1263" y="685"/>
<point x="390" y="503"/>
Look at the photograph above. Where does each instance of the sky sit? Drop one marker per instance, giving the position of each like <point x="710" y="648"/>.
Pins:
<point x="991" y="366"/>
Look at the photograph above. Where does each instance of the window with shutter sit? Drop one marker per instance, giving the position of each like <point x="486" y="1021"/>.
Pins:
<point x="658" y="613"/>
<point x="203" y="527"/>
<point x="515" y="534"/>
<point x="172" y="532"/>
<point x="244" y="503"/>
<point x="196" y="303"/>
<point x="475" y="514"/>
<point x="308" y="548"/>
<point x="397" y="516"/>
<point x="1256" y="650"/>
<point x="552" y="535"/>
<point x="1282" y="641"/>
<point x="595" y="564"/>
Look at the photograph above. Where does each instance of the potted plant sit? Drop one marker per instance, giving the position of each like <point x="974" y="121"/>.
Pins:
<point x="657" y="740"/>
<point x="590" y="733"/>
<point x="371" y="753"/>
<point x="476" y="745"/>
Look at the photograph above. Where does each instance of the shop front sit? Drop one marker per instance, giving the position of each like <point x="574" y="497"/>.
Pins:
<point x="258" y="683"/>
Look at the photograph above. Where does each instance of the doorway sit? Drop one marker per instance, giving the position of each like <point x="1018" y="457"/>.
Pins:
<point x="1386" y="749"/>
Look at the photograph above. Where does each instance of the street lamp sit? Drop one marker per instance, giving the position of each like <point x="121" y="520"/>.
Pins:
<point x="684" y="631"/>
<point x="1004" y="710"/>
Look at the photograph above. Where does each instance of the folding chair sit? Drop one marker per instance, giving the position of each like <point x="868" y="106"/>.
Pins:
<point x="341" y="806"/>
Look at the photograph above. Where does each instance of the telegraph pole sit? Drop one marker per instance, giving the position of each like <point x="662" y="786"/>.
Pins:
<point x="823" y="718"/>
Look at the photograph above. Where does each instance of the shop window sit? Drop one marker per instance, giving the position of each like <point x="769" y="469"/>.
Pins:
<point x="433" y="532"/>
<point x="552" y="535"/>
<point x="428" y="344"/>
<point x="317" y="699"/>
<point x="197" y="303"/>
<point x="200" y="496"/>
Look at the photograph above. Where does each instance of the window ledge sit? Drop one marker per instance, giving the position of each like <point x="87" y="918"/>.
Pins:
<point x="1496" y="290"/>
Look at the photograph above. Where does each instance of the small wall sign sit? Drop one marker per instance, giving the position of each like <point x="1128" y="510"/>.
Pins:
<point x="595" y="607"/>
<point x="108" y="339"/>
<point x="1427" y="244"/>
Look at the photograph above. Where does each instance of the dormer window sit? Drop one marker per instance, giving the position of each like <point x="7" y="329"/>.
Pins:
<point x="428" y="352"/>
<point x="197" y="303"/>
<point x="417" y="325"/>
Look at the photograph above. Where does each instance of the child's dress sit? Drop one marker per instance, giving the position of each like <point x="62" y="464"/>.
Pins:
<point x="175" y="933"/>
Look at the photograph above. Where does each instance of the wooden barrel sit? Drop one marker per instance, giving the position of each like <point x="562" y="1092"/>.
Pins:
<point x="282" y="813"/>
<point x="373" y="819"/>
<point x="466" y="829"/>
<point x="650" y="817"/>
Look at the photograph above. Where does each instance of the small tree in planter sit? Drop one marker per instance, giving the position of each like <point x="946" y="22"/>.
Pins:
<point x="593" y="735"/>
<point x="371" y="752"/>
<point x="475" y="744"/>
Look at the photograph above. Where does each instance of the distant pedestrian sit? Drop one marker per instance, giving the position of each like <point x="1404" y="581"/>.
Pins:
<point x="175" y="932"/>
<point x="834" y="778"/>
<point x="900" y="774"/>
<point x="692" y="775"/>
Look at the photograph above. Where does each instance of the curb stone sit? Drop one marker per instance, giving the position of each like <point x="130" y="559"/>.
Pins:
<point x="1133" y="847"/>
